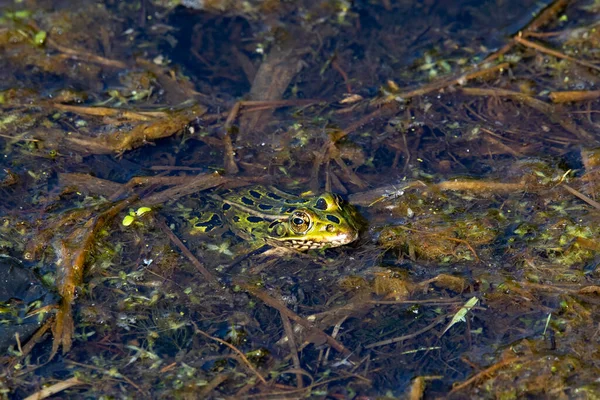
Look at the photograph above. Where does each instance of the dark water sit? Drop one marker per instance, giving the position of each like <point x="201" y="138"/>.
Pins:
<point x="473" y="184"/>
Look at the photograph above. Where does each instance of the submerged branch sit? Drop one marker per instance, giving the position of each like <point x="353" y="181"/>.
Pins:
<point x="239" y="354"/>
<point x="272" y="302"/>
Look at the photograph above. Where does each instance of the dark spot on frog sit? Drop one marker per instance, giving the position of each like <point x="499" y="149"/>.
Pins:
<point x="247" y="201"/>
<point x="226" y="206"/>
<point x="255" y="194"/>
<point x="236" y="218"/>
<point x="321" y="204"/>
<point x="265" y="207"/>
<point x="210" y="224"/>
<point x="254" y="219"/>
<point x="333" y="218"/>
<point x="274" y="196"/>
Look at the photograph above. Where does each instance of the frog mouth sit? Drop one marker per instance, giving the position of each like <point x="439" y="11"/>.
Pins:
<point x="342" y="239"/>
<point x="331" y="241"/>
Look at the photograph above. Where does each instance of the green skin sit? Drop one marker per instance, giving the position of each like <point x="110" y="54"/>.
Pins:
<point x="280" y="219"/>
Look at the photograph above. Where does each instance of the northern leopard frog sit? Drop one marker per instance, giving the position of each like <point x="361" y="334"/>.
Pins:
<point x="276" y="218"/>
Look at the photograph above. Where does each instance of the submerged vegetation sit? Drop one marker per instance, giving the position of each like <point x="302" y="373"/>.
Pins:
<point x="146" y="146"/>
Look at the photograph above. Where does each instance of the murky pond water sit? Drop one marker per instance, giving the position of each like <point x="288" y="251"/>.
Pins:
<point x="268" y="199"/>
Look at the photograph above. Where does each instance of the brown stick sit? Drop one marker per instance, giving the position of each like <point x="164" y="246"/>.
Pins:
<point x="33" y="340"/>
<point x="457" y="80"/>
<point x="231" y="167"/>
<point x="271" y="302"/>
<point x="335" y="65"/>
<point x="438" y="321"/>
<point x="480" y="186"/>
<point x="109" y="112"/>
<point x="574" y="95"/>
<point x="548" y="109"/>
<point x="438" y="85"/>
<point x="235" y="350"/>
<point x="490" y="138"/>
<point x="547" y="15"/>
<point x="582" y="196"/>
<point x="543" y="18"/>
<point x="485" y="372"/>
<point x="554" y="53"/>
<point x="85" y="56"/>
<point x="210" y="278"/>
<point x="56" y="388"/>
<point x="289" y="332"/>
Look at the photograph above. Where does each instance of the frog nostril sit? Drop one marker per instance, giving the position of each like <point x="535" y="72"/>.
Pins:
<point x="330" y="228"/>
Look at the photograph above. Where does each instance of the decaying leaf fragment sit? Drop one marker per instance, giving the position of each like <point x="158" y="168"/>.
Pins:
<point x="71" y="256"/>
<point x="121" y="140"/>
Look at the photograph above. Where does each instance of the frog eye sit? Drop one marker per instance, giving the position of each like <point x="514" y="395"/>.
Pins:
<point x="321" y="204"/>
<point x="300" y="222"/>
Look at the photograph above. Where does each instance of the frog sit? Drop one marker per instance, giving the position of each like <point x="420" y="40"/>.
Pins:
<point x="268" y="216"/>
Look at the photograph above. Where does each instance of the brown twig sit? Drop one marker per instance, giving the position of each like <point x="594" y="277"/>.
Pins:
<point x="437" y="85"/>
<point x="542" y="19"/>
<point x="455" y="80"/>
<point x="210" y="278"/>
<point x="108" y="112"/>
<point x="547" y="15"/>
<point x="81" y="55"/>
<point x="479" y="186"/>
<point x="184" y="186"/>
<point x="213" y="384"/>
<point x="272" y="302"/>
<point x="581" y="196"/>
<point x="548" y="109"/>
<point x="235" y="350"/>
<point x="437" y="321"/>
<point x="54" y="389"/>
<point x="335" y="65"/>
<point x="573" y="95"/>
<point x="437" y="302"/>
<point x="554" y="53"/>
<point x="33" y="340"/>
<point x="388" y="108"/>
<point x="484" y="373"/>
<point x="490" y="137"/>
<point x="289" y="332"/>
<point x="231" y="167"/>
<point x="350" y="174"/>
